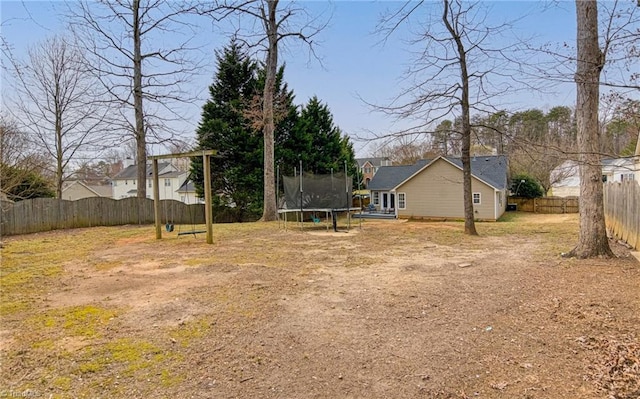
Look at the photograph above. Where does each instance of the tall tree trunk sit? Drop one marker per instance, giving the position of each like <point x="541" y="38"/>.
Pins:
<point x="270" y="207"/>
<point x="469" y="216"/>
<point x="140" y="134"/>
<point x="59" y="143"/>
<point x="592" y="241"/>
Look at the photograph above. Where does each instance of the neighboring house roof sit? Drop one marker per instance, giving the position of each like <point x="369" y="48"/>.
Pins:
<point x="172" y="174"/>
<point x="389" y="177"/>
<point x="103" y="191"/>
<point x="609" y="165"/>
<point x="131" y="172"/>
<point x="80" y="189"/>
<point x="187" y="187"/>
<point x="373" y="161"/>
<point x="489" y="169"/>
<point x="69" y="184"/>
<point x="567" y="173"/>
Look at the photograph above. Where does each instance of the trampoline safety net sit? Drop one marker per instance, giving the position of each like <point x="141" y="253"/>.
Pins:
<point x="318" y="191"/>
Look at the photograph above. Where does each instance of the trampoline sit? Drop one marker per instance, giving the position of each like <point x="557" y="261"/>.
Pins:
<point x="317" y="194"/>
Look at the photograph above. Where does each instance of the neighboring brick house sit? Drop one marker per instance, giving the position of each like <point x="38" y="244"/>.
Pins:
<point x="369" y="167"/>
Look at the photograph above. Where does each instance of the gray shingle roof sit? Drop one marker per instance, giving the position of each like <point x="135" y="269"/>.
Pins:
<point x="387" y="177"/>
<point x="131" y="172"/>
<point x="187" y="187"/>
<point x="172" y="173"/>
<point x="490" y="169"/>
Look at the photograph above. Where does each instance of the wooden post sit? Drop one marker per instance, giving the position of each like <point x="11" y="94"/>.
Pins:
<point x="156" y="199"/>
<point x="206" y="158"/>
<point x="206" y="163"/>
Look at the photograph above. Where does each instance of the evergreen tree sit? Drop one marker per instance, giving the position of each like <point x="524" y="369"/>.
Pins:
<point x="326" y="146"/>
<point x="227" y="127"/>
<point x="22" y="184"/>
<point x="231" y="124"/>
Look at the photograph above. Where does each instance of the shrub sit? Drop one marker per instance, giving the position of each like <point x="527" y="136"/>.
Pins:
<point x="525" y="186"/>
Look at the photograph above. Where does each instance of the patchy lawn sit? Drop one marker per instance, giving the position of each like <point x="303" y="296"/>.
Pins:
<point x="396" y="309"/>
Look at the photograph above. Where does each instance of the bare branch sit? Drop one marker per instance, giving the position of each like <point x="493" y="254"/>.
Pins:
<point x="56" y="102"/>
<point x="140" y="76"/>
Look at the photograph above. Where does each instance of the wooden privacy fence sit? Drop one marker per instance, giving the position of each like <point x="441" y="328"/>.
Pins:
<point x="622" y="211"/>
<point x="546" y="204"/>
<point x="44" y="214"/>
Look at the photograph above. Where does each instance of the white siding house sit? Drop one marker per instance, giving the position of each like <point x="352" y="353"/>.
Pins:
<point x="125" y="184"/>
<point x="565" y="179"/>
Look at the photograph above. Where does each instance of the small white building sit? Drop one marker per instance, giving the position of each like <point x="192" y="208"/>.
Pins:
<point x="565" y="178"/>
<point x="171" y="180"/>
<point x="618" y="170"/>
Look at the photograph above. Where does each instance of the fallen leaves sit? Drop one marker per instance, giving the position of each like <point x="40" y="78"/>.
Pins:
<point x="616" y="366"/>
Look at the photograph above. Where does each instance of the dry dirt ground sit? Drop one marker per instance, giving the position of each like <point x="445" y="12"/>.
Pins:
<point x="395" y="309"/>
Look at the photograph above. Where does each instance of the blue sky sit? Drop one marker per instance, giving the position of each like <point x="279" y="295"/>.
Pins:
<point x="354" y="63"/>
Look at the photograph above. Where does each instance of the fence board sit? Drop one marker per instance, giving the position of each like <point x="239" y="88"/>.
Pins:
<point x="44" y="214"/>
<point x="546" y="204"/>
<point x="622" y="211"/>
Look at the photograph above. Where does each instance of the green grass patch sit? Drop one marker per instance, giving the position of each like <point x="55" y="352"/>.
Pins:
<point x="86" y="321"/>
<point x="126" y="356"/>
<point x="30" y="263"/>
<point x="62" y="383"/>
<point x="10" y="306"/>
<point x="186" y="333"/>
<point x="107" y="265"/>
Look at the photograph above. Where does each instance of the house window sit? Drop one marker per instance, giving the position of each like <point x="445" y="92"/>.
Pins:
<point x="367" y="170"/>
<point x="402" y="201"/>
<point x="476" y="198"/>
<point x="167" y="182"/>
<point x="500" y="199"/>
<point x="376" y="198"/>
<point x="150" y="183"/>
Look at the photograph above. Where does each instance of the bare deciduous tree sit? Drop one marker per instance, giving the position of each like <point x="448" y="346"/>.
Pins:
<point x="55" y="102"/>
<point x="592" y="240"/>
<point x="404" y="150"/>
<point x="141" y="52"/>
<point x="276" y="24"/>
<point x="457" y="70"/>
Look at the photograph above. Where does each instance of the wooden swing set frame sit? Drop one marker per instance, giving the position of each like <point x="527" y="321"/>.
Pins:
<point x="206" y="159"/>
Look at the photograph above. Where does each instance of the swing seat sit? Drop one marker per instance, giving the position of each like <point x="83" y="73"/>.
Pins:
<point x="316" y="220"/>
<point x="168" y="227"/>
<point x="194" y="232"/>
